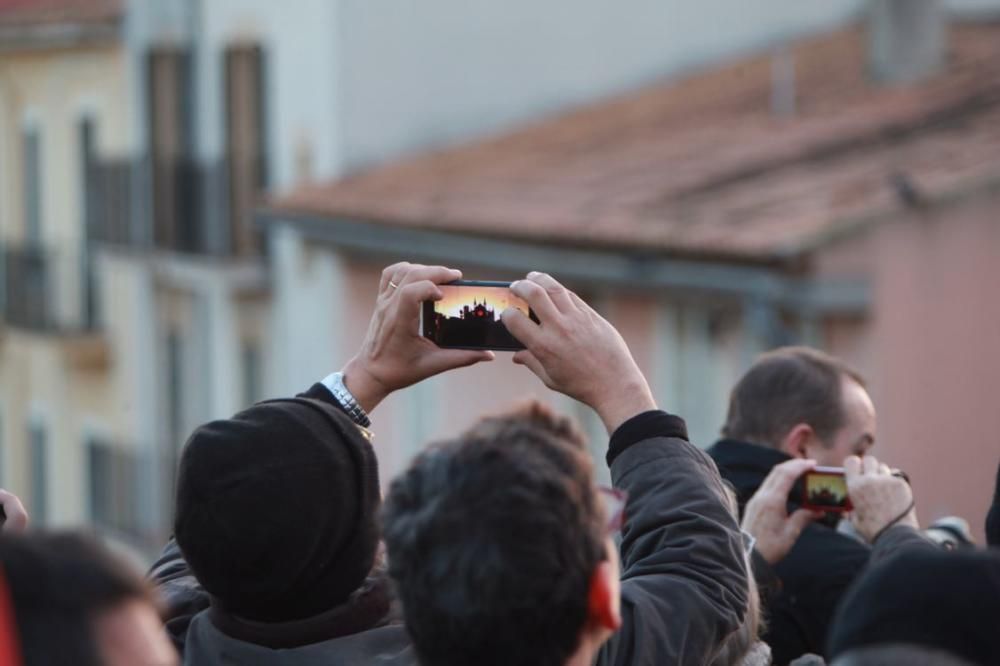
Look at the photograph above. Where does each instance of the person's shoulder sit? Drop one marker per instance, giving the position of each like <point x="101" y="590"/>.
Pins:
<point x="388" y="645"/>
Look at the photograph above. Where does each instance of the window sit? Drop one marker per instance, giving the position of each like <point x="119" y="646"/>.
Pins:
<point x="251" y="374"/>
<point x="85" y="139"/>
<point x="32" y="182"/>
<point x="244" y="140"/>
<point x="112" y="487"/>
<point x="175" y="206"/>
<point x="38" y="453"/>
<point x="175" y="365"/>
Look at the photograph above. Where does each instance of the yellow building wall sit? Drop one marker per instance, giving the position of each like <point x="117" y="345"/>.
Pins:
<point x="67" y="382"/>
<point x="55" y="90"/>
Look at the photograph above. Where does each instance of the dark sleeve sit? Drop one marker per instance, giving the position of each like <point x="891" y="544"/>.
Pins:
<point x="684" y="577"/>
<point x="898" y="538"/>
<point x="767" y="579"/>
<point x="319" y="392"/>
<point x="815" y="575"/>
<point x="181" y="595"/>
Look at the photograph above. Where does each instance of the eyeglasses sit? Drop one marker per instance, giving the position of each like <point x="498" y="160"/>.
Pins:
<point x="614" y="502"/>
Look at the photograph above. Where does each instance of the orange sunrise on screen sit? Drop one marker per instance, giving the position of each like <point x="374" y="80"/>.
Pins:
<point x="497" y="299"/>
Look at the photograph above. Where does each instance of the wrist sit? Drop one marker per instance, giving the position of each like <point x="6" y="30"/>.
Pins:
<point x="367" y="390"/>
<point x="623" y="403"/>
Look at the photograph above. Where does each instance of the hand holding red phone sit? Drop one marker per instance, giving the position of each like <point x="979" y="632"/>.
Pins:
<point x="766" y="516"/>
<point x="881" y="499"/>
<point x="575" y="351"/>
<point x="394" y="354"/>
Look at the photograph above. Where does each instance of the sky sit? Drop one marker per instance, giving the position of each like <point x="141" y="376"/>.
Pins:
<point x="499" y="298"/>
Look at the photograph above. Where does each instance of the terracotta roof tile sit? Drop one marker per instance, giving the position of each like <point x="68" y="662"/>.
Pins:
<point x="702" y="166"/>
<point x="34" y="12"/>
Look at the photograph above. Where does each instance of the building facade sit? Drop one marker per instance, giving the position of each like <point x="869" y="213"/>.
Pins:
<point x="783" y="198"/>
<point x="140" y="298"/>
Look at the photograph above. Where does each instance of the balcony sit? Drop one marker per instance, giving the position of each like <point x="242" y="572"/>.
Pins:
<point x="174" y="205"/>
<point x="48" y="289"/>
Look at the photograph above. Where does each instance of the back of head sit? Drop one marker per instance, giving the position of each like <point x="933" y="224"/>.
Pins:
<point x="921" y="602"/>
<point x="783" y="388"/>
<point x="59" y="584"/>
<point x="277" y="509"/>
<point x="492" y="539"/>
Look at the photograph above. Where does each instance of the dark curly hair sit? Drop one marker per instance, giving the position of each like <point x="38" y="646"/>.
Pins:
<point x="492" y="539"/>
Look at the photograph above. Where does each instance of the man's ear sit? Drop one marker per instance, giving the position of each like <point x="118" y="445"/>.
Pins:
<point x="796" y="442"/>
<point x="604" y="607"/>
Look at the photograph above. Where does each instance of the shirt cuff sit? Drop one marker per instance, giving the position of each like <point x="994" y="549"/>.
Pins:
<point x="654" y="423"/>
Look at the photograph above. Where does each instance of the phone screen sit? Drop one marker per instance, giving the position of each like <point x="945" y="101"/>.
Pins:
<point x="826" y="490"/>
<point x="468" y="317"/>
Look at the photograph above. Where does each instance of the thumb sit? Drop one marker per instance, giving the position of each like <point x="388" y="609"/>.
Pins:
<point x="449" y="359"/>
<point x="529" y="360"/>
<point x="521" y="327"/>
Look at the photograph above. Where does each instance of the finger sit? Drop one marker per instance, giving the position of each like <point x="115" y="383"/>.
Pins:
<point x="412" y="295"/>
<point x="559" y="294"/>
<point x="884" y="470"/>
<point x="783" y="476"/>
<point x="521" y="327"/>
<point x="390" y="274"/>
<point x="450" y="359"/>
<point x="538" y="300"/>
<point x="528" y="360"/>
<point x="435" y="274"/>
<point x="852" y="466"/>
<point x="869" y="465"/>
<point x="801" y="518"/>
<point x="578" y="302"/>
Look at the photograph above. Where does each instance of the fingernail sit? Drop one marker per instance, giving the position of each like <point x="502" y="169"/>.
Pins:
<point x="514" y="284"/>
<point x="533" y="274"/>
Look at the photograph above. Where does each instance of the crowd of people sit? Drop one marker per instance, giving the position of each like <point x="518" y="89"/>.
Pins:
<point x="497" y="547"/>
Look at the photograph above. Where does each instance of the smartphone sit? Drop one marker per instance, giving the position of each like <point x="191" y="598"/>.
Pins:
<point x="825" y="489"/>
<point x="468" y="316"/>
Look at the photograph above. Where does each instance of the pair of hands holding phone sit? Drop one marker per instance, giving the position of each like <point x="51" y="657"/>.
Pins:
<point x="571" y="349"/>
<point x="880" y="500"/>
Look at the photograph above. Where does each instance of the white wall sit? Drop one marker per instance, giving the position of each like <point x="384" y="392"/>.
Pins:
<point x="300" y="41"/>
<point x="421" y="73"/>
<point x="974" y="6"/>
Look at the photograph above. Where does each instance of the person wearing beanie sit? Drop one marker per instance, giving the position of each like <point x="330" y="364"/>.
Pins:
<point x="276" y="555"/>
<point x="922" y="606"/>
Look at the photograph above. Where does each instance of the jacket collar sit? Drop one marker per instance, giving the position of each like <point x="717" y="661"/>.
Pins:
<point x="370" y="606"/>
<point x="745" y="465"/>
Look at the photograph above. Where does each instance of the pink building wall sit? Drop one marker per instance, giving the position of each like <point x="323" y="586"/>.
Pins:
<point x="931" y="349"/>
<point x="928" y="348"/>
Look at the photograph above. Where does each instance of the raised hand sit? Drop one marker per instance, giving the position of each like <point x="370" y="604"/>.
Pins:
<point x="766" y="516"/>
<point x="394" y="354"/>
<point x="575" y="351"/>
<point x="880" y="498"/>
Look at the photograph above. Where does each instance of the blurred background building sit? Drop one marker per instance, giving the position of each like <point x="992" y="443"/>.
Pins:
<point x="197" y="196"/>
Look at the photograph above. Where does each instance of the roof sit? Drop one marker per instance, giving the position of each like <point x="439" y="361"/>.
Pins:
<point x="702" y="166"/>
<point x="57" y="22"/>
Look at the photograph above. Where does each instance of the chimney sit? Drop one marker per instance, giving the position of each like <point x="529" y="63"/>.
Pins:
<point x="906" y="39"/>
